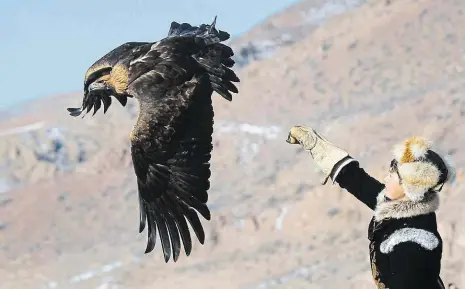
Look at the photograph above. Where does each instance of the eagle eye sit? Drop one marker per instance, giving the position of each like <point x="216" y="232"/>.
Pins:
<point x="96" y="77"/>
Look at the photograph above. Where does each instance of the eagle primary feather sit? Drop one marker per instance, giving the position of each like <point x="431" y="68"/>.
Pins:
<point x="171" y="143"/>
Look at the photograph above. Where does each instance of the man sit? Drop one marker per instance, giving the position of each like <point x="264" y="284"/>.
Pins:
<point x="405" y="246"/>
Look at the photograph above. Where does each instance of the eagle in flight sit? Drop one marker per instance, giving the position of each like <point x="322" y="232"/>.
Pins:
<point x="173" y="80"/>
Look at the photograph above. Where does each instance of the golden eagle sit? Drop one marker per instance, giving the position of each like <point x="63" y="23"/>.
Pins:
<point x="171" y="143"/>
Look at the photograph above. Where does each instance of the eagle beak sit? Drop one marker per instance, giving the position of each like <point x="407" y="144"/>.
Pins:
<point x="96" y="86"/>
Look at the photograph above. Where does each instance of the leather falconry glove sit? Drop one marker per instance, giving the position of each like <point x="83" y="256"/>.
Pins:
<point x="325" y="154"/>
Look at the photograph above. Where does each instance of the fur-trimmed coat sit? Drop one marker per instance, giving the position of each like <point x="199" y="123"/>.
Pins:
<point x="405" y="246"/>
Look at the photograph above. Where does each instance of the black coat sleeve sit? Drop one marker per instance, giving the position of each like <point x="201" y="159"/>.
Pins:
<point x="412" y="267"/>
<point x="348" y="174"/>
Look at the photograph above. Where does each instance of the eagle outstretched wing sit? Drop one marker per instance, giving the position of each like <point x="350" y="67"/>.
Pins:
<point x="171" y="142"/>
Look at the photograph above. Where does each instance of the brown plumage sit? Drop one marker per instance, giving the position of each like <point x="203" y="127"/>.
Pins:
<point x="171" y="143"/>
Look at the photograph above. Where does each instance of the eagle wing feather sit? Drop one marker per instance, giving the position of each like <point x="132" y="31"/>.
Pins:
<point x="171" y="143"/>
<point x="171" y="154"/>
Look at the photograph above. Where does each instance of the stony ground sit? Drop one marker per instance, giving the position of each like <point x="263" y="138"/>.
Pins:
<point x="366" y="79"/>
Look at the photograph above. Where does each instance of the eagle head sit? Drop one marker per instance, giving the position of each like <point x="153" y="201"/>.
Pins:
<point x="101" y="82"/>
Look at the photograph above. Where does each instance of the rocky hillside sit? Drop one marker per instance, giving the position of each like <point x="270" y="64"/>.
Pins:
<point x="287" y="27"/>
<point x="366" y="78"/>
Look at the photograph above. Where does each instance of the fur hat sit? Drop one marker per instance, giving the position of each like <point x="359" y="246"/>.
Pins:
<point x="419" y="168"/>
